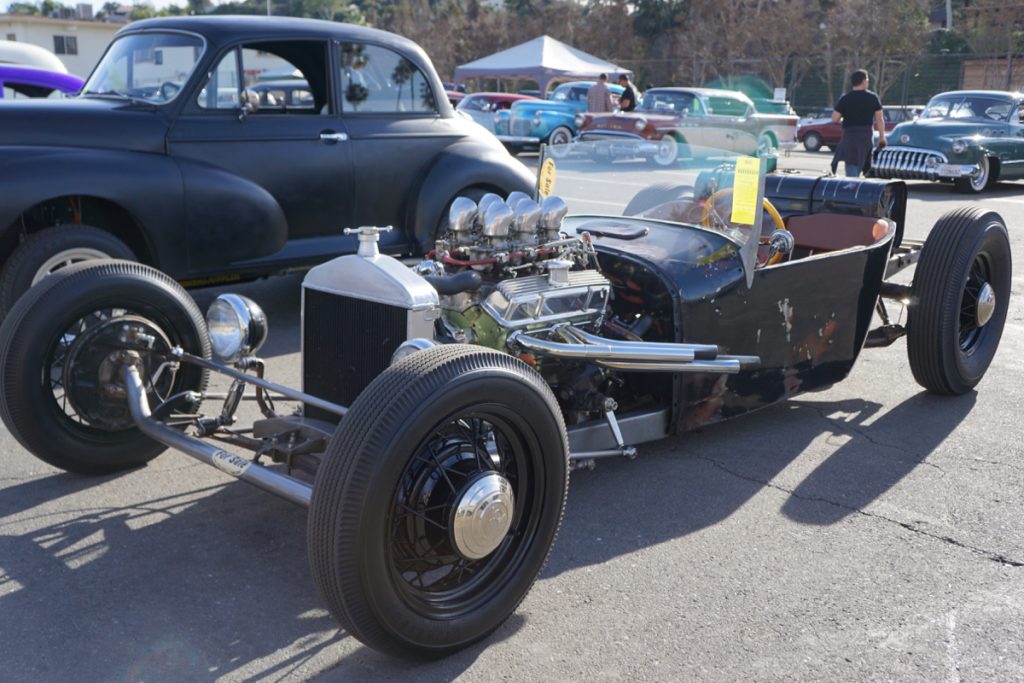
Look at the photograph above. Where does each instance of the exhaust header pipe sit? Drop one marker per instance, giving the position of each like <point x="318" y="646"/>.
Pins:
<point x="631" y="355"/>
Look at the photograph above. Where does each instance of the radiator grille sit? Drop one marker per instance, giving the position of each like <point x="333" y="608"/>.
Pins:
<point x="346" y="342"/>
<point x="521" y="127"/>
<point x="907" y="162"/>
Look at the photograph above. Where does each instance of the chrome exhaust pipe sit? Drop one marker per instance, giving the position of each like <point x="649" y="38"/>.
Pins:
<point x="605" y="350"/>
<point x="722" y="367"/>
<point x="700" y="351"/>
<point x="630" y="355"/>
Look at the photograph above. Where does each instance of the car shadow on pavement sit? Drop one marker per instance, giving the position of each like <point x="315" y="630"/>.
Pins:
<point x="876" y="457"/>
<point x="213" y="583"/>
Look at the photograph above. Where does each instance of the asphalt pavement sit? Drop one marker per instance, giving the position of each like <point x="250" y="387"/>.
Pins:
<point x="868" y="532"/>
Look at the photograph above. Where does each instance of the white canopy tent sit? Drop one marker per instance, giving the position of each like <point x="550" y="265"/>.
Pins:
<point x="543" y="60"/>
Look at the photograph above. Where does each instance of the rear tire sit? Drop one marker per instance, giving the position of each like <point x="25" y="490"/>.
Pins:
<point x="953" y="329"/>
<point x="45" y="393"/>
<point x="49" y="250"/>
<point x="812" y="142"/>
<point x="383" y="540"/>
<point x="668" y="152"/>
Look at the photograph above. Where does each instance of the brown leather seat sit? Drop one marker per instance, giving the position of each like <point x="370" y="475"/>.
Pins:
<point x="834" y="231"/>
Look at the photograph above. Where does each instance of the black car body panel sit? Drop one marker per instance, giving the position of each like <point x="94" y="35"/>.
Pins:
<point x="806" y="320"/>
<point x="212" y="192"/>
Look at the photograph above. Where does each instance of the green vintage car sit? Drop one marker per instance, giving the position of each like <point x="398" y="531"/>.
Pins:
<point x="970" y="137"/>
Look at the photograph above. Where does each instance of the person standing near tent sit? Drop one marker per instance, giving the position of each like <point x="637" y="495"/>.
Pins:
<point x="627" y="100"/>
<point x="599" y="97"/>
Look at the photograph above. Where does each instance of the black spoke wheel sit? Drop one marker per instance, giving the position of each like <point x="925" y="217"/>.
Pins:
<point x="438" y="500"/>
<point x="961" y="296"/>
<point x="58" y="350"/>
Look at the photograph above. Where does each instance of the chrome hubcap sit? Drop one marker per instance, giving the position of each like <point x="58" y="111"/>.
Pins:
<point x="482" y="517"/>
<point x="986" y="304"/>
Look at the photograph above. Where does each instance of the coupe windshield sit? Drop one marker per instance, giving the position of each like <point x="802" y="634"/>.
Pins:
<point x="152" y="67"/>
<point x="968" y="107"/>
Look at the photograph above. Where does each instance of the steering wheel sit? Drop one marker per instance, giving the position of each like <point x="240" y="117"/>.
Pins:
<point x="168" y="89"/>
<point x="709" y="214"/>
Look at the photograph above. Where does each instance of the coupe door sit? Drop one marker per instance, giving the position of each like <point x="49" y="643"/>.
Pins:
<point x="298" y="153"/>
<point x="396" y="132"/>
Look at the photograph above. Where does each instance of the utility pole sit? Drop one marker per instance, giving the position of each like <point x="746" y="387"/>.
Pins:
<point x="949" y="15"/>
<point x="268" y="6"/>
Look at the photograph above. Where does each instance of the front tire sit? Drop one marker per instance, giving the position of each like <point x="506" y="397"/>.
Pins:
<point x="385" y="548"/>
<point x="47" y="251"/>
<point x="558" y="142"/>
<point x="962" y="292"/>
<point x="977" y="184"/>
<point x="54" y="347"/>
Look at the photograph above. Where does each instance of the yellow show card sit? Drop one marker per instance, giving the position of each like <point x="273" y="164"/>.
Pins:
<point x="546" y="179"/>
<point x="744" y="191"/>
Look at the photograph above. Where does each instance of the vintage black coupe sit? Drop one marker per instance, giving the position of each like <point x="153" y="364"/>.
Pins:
<point x="171" y="155"/>
<point x="443" y="405"/>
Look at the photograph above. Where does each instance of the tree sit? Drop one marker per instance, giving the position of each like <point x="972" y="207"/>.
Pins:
<point x="22" y="8"/>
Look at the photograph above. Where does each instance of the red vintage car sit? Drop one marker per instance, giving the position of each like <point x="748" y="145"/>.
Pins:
<point x="670" y="120"/>
<point x="821" y="132"/>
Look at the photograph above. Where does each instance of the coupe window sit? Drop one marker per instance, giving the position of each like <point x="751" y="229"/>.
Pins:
<point x="726" y="106"/>
<point x="150" y="67"/>
<point x="569" y="93"/>
<point x="286" y="77"/>
<point x="968" y="107"/>
<point x="376" y="80"/>
<point x="671" y="102"/>
<point x="476" y="103"/>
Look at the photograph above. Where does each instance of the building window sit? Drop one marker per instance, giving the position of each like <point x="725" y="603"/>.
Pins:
<point x="11" y="37"/>
<point x="65" y="45"/>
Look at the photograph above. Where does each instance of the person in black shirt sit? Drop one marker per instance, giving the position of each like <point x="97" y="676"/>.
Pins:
<point x="857" y="110"/>
<point x="627" y="100"/>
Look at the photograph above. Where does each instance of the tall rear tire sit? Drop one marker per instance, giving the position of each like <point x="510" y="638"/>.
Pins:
<point x="962" y="292"/>
<point x="397" y="567"/>
<point x="55" y="347"/>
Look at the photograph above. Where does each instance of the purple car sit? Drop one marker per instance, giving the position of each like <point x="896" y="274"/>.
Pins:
<point x="32" y="82"/>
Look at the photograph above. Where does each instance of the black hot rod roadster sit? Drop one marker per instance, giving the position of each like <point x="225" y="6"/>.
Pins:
<point x="444" y="404"/>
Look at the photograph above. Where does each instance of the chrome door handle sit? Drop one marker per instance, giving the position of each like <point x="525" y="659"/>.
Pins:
<point x="331" y="136"/>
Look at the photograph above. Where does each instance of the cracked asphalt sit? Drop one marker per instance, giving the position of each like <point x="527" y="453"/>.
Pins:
<point x="871" y="532"/>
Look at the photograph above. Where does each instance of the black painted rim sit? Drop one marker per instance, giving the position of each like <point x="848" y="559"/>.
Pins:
<point x="970" y="334"/>
<point x="429" y="574"/>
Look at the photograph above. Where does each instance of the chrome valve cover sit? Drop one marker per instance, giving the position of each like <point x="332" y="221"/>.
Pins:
<point x="528" y="301"/>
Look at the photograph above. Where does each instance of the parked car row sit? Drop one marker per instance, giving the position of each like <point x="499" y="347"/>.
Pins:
<point x="819" y="131"/>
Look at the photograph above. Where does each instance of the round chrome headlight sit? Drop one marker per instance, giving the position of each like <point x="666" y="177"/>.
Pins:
<point x="904" y="139"/>
<point x="237" y="327"/>
<point x="640" y="124"/>
<point x="536" y="119"/>
<point x="579" y="120"/>
<point x="959" y="146"/>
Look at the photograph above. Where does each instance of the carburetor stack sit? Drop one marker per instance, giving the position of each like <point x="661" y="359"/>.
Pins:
<point x="515" y="269"/>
